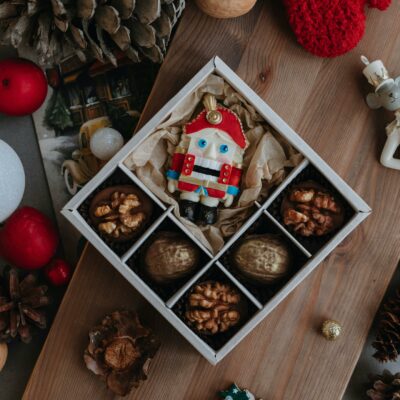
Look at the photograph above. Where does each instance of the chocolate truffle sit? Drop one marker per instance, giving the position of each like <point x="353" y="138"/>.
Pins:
<point x="120" y="213"/>
<point x="170" y="256"/>
<point x="214" y="307"/>
<point x="262" y="259"/>
<point x="311" y="210"/>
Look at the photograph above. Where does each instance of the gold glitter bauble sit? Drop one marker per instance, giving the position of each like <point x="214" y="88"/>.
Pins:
<point x="331" y="329"/>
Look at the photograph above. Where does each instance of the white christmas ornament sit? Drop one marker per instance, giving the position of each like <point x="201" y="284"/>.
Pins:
<point x="12" y="181"/>
<point x="105" y="143"/>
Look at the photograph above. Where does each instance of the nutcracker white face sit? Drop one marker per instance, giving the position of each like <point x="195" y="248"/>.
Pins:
<point x="213" y="144"/>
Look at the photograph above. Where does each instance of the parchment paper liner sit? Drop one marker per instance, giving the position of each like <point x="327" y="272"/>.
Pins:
<point x="267" y="160"/>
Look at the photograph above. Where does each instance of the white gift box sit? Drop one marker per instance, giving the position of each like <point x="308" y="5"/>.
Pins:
<point x="169" y="303"/>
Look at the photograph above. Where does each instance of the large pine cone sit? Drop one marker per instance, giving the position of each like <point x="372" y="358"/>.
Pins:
<point x="384" y="387"/>
<point x="19" y="303"/>
<point x="387" y="342"/>
<point x="54" y="29"/>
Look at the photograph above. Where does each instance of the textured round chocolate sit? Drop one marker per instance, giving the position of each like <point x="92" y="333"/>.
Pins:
<point x="170" y="256"/>
<point x="262" y="259"/>
<point x="104" y="197"/>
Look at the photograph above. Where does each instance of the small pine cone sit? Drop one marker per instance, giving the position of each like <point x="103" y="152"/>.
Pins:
<point x="387" y="341"/>
<point x="21" y="304"/>
<point x="384" y="387"/>
<point x="54" y="29"/>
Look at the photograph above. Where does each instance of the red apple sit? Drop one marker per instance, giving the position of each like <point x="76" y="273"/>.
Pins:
<point x="58" y="272"/>
<point x="28" y="239"/>
<point x="23" y="86"/>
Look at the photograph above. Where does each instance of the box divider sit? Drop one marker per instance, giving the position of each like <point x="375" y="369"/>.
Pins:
<point x="88" y="188"/>
<point x="173" y="300"/>
<point x="174" y="219"/>
<point x="113" y="258"/>
<point x="145" y="235"/>
<point x="237" y="283"/>
<point x="287" y="234"/>
<point x="200" y="345"/>
<point x="239" y="232"/>
<point x="285" y="183"/>
<point x="142" y="186"/>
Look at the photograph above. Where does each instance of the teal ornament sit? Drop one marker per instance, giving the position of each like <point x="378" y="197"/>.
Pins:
<point x="235" y="393"/>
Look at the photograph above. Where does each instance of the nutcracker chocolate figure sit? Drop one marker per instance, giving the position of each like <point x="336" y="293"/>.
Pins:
<point x="207" y="164"/>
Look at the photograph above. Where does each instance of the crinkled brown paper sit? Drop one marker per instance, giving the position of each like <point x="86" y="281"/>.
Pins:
<point x="264" y="163"/>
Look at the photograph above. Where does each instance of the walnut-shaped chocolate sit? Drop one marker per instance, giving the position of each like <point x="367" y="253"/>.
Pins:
<point x="170" y="256"/>
<point x="214" y="307"/>
<point x="262" y="259"/>
<point x="311" y="210"/>
<point x="120" y="213"/>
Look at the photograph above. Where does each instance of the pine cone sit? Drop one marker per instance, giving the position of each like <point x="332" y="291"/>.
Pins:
<point x="54" y="29"/>
<point x="387" y="342"/>
<point x="384" y="387"/>
<point x="19" y="303"/>
<point x="120" y="351"/>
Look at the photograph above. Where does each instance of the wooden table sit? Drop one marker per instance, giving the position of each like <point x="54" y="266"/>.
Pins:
<point x="284" y="357"/>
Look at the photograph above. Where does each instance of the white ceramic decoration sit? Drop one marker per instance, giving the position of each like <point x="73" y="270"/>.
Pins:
<point x="12" y="181"/>
<point x="386" y="95"/>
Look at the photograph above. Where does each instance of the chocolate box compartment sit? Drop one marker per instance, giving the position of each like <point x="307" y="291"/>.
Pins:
<point x="360" y="211"/>
<point x="167" y="290"/>
<point x="218" y="340"/>
<point x="263" y="293"/>
<point x="115" y="179"/>
<point x="311" y="243"/>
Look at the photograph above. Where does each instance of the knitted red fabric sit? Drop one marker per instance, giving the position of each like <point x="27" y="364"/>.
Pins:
<point x="329" y="28"/>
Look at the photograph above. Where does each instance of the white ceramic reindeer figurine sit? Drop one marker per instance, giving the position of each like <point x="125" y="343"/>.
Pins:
<point x="386" y="95"/>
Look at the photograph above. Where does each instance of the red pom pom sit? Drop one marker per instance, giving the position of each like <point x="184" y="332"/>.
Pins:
<point x="380" y="4"/>
<point x="329" y="29"/>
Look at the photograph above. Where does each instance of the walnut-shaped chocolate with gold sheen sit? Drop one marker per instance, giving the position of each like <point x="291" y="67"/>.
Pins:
<point x="311" y="210"/>
<point x="120" y="213"/>
<point x="170" y="256"/>
<point x="262" y="259"/>
<point x="214" y="307"/>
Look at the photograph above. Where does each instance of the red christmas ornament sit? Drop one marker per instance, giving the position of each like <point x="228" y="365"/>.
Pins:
<point x="58" y="272"/>
<point x="28" y="239"/>
<point x="329" y="29"/>
<point x="23" y="87"/>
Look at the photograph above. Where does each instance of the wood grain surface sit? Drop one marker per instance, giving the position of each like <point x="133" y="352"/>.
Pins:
<point x="284" y="357"/>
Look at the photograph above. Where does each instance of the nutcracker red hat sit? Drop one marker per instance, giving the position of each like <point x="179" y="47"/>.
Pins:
<point x="218" y="117"/>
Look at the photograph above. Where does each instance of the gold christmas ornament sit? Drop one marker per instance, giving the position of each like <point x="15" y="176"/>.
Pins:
<point x="225" y="8"/>
<point x="3" y="354"/>
<point x="331" y="329"/>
